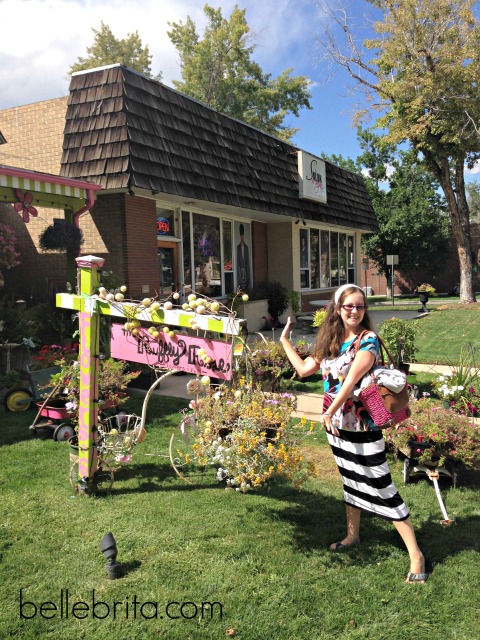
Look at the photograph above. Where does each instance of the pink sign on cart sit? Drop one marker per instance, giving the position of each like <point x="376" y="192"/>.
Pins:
<point x="180" y="352"/>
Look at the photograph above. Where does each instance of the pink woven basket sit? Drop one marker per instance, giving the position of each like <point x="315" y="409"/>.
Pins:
<point x="373" y="403"/>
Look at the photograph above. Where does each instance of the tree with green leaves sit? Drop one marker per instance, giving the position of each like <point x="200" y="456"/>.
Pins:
<point x="107" y="49"/>
<point x="218" y="70"/>
<point x="412" y="218"/>
<point x="473" y="197"/>
<point x="421" y="73"/>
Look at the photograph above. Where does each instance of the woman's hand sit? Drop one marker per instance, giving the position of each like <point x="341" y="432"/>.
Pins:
<point x="286" y="329"/>
<point x="326" y="420"/>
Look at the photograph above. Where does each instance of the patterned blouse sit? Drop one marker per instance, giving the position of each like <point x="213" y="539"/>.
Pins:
<point x="351" y="416"/>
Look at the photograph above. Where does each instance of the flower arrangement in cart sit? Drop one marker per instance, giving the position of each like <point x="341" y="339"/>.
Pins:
<point x="448" y="435"/>
<point x="246" y="433"/>
<point x="446" y="421"/>
<point x="113" y="379"/>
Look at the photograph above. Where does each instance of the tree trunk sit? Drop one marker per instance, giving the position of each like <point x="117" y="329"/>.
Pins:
<point x="460" y="220"/>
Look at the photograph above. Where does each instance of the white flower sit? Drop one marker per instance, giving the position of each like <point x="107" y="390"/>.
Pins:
<point x="194" y="387"/>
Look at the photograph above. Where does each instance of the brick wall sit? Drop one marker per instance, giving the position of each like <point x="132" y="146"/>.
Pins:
<point x="140" y="246"/>
<point x="34" y="134"/>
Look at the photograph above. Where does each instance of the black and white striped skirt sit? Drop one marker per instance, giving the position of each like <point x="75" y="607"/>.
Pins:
<point x="367" y="483"/>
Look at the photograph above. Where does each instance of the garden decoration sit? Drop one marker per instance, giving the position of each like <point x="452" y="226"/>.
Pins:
<point x="424" y="291"/>
<point x="166" y="349"/>
<point x="245" y="433"/>
<point x="436" y="441"/>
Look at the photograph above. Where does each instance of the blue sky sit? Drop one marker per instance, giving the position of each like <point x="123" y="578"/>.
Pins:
<point x="42" y="38"/>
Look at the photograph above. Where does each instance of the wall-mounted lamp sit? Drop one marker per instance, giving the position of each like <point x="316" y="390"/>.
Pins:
<point x="131" y="192"/>
<point x="154" y="192"/>
<point x="304" y="223"/>
<point x="108" y="547"/>
<point x="297" y="220"/>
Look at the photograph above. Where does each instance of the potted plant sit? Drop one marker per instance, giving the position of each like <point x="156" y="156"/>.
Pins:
<point x="399" y="338"/>
<point x="277" y="297"/>
<point x="424" y="291"/>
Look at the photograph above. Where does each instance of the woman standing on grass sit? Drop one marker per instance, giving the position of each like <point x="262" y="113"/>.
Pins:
<point x="357" y="444"/>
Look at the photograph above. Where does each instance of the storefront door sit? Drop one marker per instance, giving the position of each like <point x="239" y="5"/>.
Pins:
<point x="168" y="267"/>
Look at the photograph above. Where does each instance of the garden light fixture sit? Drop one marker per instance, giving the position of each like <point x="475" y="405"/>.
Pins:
<point x="108" y="547"/>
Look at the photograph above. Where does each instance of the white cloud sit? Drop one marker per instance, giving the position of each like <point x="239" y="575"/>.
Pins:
<point x="474" y="170"/>
<point x="45" y="37"/>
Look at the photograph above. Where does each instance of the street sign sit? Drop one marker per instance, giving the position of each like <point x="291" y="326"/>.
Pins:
<point x="392" y="259"/>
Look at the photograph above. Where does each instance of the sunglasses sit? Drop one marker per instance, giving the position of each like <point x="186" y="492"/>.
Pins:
<point x="351" y="307"/>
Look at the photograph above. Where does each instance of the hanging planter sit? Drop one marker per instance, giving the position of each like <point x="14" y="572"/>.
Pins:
<point x="61" y="236"/>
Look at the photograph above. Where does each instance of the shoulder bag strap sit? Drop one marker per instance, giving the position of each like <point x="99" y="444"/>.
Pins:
<point x="382" y="347"/>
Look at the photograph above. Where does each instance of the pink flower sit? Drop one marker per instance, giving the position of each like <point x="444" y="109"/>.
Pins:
<point x="24" y="205"/>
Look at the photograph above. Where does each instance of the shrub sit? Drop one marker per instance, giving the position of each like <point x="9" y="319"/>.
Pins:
<point x="8" y="255"/>
<point x="319" y="317"/>
<point x="399" y="337"/>
<point x="294" y="300"/>
<point x="277" y="296"/>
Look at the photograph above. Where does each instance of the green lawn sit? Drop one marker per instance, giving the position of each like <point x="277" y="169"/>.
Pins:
<point x="443" y="333"/>
<point x="262" y="556"/>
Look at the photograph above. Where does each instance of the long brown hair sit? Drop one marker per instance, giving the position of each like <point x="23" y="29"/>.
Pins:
<point x="330" y="335"/>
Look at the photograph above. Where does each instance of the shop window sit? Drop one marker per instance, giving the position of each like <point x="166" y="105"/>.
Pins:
<point x="227" y="248"/>
<point x="342" y="258"/>
<point x="350" y="260"/>
<point x="243" y="258"/>
<point x="187" y="250"/>
<point x="206" y="255"/>
<point x="326" y="259"/>
<point x="315" y="258"/>
<point x="165" y="222"/>
<point x="217" y="252"/>
<point x="334" y="273"/>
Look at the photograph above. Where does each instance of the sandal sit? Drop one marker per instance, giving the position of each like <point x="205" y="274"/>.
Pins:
<point x="339" y="546"/>
<point x="420" y="578"/>
<point x="412" y="578"/>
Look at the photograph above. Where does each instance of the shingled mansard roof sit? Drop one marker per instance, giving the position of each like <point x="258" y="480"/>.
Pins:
<point x="124" y="130"/>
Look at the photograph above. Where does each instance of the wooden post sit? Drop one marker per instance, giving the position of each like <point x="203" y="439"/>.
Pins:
<point x="89" y="326"/>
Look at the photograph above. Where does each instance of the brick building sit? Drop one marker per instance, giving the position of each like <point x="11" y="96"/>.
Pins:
<point x="189" y="196"/>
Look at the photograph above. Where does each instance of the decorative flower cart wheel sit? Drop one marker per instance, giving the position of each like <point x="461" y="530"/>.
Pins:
<point x="63" y="432"/>
<point x="19" y="399"/>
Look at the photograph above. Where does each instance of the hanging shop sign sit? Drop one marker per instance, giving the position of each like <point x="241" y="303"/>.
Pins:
<point x="311" y="177"/>
<point x="180" y="352"/>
